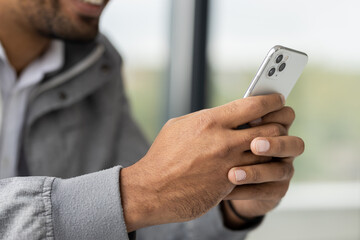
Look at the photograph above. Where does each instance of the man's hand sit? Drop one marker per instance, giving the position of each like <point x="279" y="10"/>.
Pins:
<point x="184" y="174"/>
<point x="271" y="178"/>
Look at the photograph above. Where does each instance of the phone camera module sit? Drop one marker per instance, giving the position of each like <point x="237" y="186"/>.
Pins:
<point x="282" y="67"/>
<point x="279" y="58"/>
<point x="271" y="72"/>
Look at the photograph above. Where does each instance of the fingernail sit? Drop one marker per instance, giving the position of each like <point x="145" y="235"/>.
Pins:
<point x="282" y="99"/>
<point x="240" y="175"/>
<point x="262" y="146"/>
<point x="255" y="122"/>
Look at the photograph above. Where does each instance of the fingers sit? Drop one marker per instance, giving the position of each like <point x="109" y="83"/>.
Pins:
<point x="261" y="173"/>
<point x="281" y="146"/>
<point x="284" y="116"/>
<point x="243" y="138"/>
<point x="248" y="158"/>
<point x="264" y="191"/>
<point x="244" y="110"/>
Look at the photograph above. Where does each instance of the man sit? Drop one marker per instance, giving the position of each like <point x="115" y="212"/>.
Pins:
<point x="65" y="114"/>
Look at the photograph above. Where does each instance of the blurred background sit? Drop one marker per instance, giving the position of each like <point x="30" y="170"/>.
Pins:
<point x="184" y="55"/>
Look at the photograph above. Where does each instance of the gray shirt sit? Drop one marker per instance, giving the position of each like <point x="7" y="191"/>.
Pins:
<point x="77" y="123"/>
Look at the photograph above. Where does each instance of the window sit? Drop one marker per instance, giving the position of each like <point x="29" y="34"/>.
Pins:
<point x="139" y="30"/>
<point x="324" y="199"/>
<point x="325" y="98"/>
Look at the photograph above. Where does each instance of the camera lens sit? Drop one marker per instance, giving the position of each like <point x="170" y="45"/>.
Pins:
<point x="279" y="58"/>
<point x="282" y="67"/>
<point x="271" y="72"/>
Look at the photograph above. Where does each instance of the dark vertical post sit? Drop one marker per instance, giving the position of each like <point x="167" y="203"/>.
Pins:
<point x="198" y="90"/>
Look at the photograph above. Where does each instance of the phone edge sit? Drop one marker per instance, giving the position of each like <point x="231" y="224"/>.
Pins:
<point x="271" y="52"/>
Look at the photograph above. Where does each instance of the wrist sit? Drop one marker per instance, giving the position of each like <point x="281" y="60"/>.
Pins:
<point x="236" y="221"/>
<point x="229" y="218"/>
<point x="138" y="208"/>
<point x="245" y="219"/>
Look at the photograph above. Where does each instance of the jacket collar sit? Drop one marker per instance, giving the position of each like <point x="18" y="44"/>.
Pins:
<point x="86" y="68"/>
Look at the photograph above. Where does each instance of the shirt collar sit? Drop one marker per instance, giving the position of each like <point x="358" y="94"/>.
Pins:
<point x="2" y="54"/>
<point x="50" y="61"/>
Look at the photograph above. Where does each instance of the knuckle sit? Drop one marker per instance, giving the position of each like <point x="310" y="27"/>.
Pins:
<point x="218" y="147"/>
<point x="206" y="119"/>
<point x="282" y="193"/>
<point x="263" y="103"/>
<point x="254" y="104"/>
<point x="301" y="146"/>
<point x="233" y="107"/>
<point x="279" y="191"/>
<point x="291" y="113"/>
<point x="281" y="130"/>
<point x="223" y="150"/>
<point x="258" y="191"/>
<point x="268" y="193"/>
<point x="280" y="146"/>
<point x="254" y="175"/>
<point x="242" y="140"/>
<point x="258" y="104"/>
<point x="170" y="122"/>
<point x="256" y="132"/>
<point x="275" y="130"/>
<point x="292" y="172"/>
<point x="283" y="190"/>
<point x="286" y="171"/>
<point x="250" y="102"/>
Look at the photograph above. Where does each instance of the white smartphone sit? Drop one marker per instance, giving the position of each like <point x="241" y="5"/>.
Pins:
<point x="278" y="73"/>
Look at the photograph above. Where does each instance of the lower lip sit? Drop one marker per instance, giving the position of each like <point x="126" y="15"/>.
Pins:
<point x="87" y="9"/>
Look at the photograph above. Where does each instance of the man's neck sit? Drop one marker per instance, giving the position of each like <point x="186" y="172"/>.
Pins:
<point x="21" y="43"/>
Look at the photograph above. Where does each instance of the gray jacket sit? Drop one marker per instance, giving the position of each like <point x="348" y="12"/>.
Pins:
<point x="78" y="122"/>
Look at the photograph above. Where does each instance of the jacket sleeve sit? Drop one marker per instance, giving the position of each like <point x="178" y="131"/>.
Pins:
<point x="85" y="207"/>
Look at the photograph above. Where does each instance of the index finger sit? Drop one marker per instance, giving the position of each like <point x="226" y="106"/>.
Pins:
<point x="247" y="109"/>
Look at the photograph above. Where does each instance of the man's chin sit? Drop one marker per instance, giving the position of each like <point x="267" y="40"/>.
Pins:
<point x="73" y="39"/>
<point x="86" y="31"/>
